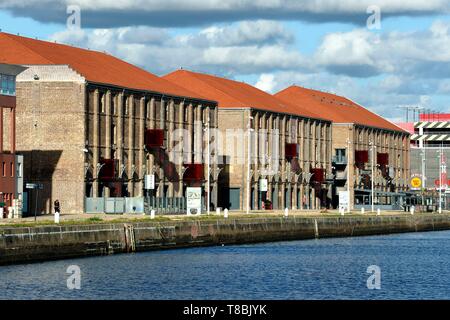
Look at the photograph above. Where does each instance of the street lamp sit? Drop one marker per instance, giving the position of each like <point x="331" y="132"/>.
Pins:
<point x="348" y="175"/>
<point x="441" y="169"/>
<point x="248" y="161"/>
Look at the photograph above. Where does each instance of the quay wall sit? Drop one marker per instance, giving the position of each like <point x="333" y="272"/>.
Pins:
<point x="41" y="243"/>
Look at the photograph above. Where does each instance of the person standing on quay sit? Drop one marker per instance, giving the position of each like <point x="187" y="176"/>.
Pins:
<point x="57" y="206"/>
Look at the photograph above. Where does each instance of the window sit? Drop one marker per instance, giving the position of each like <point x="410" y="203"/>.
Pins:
<point x="7" y="84"/>
<point x="4" y="169"/>
<point x="12" y="168"/>
<point x="102" y="103"/>
<point x="19" y="170"/>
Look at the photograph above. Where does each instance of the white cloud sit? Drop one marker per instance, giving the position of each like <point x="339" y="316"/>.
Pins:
<point x="363" y="53"/>
<point x="266" y="82"/>
<point x="245" y="47"/>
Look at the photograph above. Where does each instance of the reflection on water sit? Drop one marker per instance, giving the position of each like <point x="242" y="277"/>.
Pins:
<point x="412" y="266"/>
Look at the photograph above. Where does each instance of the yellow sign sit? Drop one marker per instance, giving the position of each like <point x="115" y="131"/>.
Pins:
<point x="416" y="182"/>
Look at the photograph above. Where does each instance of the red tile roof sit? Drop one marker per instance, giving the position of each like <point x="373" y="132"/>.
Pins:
<point x="234" y="94"/>
<point x="335" y="108"/>
<point x="95" y="66"/>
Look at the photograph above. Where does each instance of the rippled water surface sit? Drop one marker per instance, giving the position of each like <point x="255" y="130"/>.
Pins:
<point x="413" y="266"/>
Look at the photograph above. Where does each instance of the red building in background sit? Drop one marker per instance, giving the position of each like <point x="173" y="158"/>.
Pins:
<point x="8" y="188"/>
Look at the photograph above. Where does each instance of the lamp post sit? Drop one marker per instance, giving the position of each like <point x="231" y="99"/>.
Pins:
<point x="248" y="161"/>
<point x="348" y="175"/>
<point x="441" y="168"/>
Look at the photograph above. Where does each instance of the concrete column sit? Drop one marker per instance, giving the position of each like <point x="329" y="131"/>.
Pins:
<point x="151" y="125"/>
<point x="179" y="192"/>
<point x="171" y="122"/>
<point x="107" y="132"/>
<point x="283" y="162"/>
<point x="198" y="134"/>
<point x="190" y="128"/>
<point x="120" y="131"/>
<point x="141" y="161"/>
<point x="130" y="145"/>
<point x="162" y="121"/>
<point x="95" y="146"/>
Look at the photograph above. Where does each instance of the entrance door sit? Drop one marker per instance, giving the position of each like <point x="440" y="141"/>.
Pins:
<point x="235" y="199"/>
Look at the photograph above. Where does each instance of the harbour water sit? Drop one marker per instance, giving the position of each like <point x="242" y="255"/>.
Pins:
<point x="413" y="266"/>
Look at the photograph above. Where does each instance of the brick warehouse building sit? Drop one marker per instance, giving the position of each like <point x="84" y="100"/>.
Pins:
<point x="356" y="129"/>
<point x="304" y="145"/>
<point x="10" y="163"/>
<point x="92" y="125"/>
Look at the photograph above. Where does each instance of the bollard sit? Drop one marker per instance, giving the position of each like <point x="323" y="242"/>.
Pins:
<point x="378" y="212"/>
<point x="440" y="210"/>
<point x="362" y="210"/>
<point x="152" y="214"/>
<point x="286" y="212"/>
<point x="57" y="217"/>
<point x="218" y="211"/>
<point x="412" y="210"/>
<point x="225" y="213"/>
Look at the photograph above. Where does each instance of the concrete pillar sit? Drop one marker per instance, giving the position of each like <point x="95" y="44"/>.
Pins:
<point x="198" y="134"/>
<point x="120" y="131"/>
<point x="283" y="162"/>
<point x="151" y="125"/>
<point x="162" y="117"/>
<point x="141" y="161"/>
<point x="131" y="145"/>
<point x="171" y="129"/>
<point x="190" y="128"/>
<point x="180" y="120"/>
<point x="107" y="132"/>
<point x="95" y="146"/>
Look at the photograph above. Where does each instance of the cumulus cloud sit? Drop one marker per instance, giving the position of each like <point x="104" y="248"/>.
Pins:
<point x="170" y="13"/>
<point x="362" y="53"/>
<point x="239" y="48"/>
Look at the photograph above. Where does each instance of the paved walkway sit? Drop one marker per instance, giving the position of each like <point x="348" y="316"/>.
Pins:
<point x="92" y="218"/>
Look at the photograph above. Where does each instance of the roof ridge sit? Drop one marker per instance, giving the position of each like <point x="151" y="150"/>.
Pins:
<point x="12" y="38"/>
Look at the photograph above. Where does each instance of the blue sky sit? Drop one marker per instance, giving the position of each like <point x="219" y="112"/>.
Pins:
<point x="325" y="45"/>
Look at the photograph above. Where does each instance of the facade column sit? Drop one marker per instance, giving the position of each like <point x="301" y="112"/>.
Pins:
<point x="182" y="139"/>
<point x="283" y="203"/>
<point x="131" y="165"/>
<point x="107" y="133"/>
<point x="162" y="180"/>
<point x="150" y="162"/>
<point x="171" y="129"/>
<point x="141" y="162"/>
<point x="256" y="166"/>
<point x="95" y="151"/>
